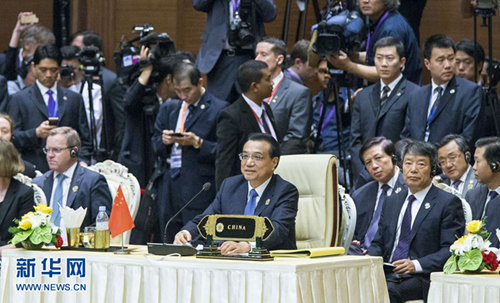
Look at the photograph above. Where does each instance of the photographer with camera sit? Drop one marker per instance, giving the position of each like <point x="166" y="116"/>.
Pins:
<point x="141" y="102"/>
<point x="231" y="31"/>
<point x="385" y="21"/>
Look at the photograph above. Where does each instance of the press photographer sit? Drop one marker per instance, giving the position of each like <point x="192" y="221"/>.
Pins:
<point x="385" y="21"/>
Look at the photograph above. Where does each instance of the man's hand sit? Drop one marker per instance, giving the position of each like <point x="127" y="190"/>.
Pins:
<point x="147" y="70"/>
<point x="44" y="129"/>
<point x="16" y="33"/>
<point x="404" y="266"/>
<point x="166" y="138"/>
<point x="189" y="139"/>
<point x="231" y="248"/>
<point x="182" y="237"/>
<point x="356" y="243"/>
<point x="340" y="61"/>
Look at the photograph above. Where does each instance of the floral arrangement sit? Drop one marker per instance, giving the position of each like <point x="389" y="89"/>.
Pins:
<point x="35" y="229"/>
<point x="472" y="252"/>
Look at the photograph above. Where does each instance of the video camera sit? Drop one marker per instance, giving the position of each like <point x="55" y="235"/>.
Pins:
<point x="91" y="59"/>
<point x="240" y="30"/>
<point x="339" y="30"/>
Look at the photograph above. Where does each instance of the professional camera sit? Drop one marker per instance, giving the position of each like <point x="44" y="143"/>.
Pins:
<point x="339" y="30"/>
<point x="240" y="30"/>
<point x="67" y="72"/>
<point x="91" y="59"/>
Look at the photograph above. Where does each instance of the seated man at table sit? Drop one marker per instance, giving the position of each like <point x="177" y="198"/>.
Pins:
<point x="257" y="192"/>
<point x="67" y="183"/>
<point x="417" y="227"/>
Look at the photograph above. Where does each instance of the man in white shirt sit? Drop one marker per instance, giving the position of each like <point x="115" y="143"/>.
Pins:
<point x="417" y="227"/>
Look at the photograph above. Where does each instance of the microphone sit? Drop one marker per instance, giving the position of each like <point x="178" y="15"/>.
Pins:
<point x="205" y="187"/>
<point x="183" y="250"/>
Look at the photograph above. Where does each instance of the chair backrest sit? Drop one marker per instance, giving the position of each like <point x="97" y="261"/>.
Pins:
<point x="117" y="174"/>
<point x="451" y="190"/>
<point x="39" y="194"/>
<point x="315" y="177"/>
<point x="349" y="218"/>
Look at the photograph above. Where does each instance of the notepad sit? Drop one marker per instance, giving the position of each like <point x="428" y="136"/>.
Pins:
<point x="309" y="252"/>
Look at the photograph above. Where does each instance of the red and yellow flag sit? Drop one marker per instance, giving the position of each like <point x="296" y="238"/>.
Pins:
<point x="120" y="220"/>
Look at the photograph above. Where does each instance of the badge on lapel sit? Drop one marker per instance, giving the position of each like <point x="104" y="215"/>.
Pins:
<point x="398" y="94"/>
<point x="65" y="98"/>
<point x="75" y="189"/>
<point x="268" y="201"/>
<point x="452" y="91"/>
<point x="274" y="99"/>
<point x="471" y="184"/>
<point x="202" y="106"/>
<point x="427" y="205"/>
<point x="398" y="190"/>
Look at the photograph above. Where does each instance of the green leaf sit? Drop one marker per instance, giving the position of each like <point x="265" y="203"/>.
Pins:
<point x="470" y="261"/>
<point x="21" y="236"/>
<point x="36" y="237"/>
<point x="451" y="265"/>
<point x="46" y="234"/>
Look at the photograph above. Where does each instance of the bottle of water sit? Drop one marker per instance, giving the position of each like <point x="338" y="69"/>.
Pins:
<point x="101" y="232"/>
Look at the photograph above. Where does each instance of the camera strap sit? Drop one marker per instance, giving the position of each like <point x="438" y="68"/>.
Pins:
<point x="375" y="32"/>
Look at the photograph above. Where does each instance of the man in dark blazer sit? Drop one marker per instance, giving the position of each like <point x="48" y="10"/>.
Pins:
<point x="257" y="192"/>
<point x="4" y="95"/>
<point x="68" y="183"/>
<point x="290" y="102"/>
<point x="32" y="107"/>
<point x="218" y="58"/>
<point x="417" y="227"/>
<point x="484" y="199"/>
<point x="449" y="105"/>
<point x="247" y="115"/>
<point x="191" y="157"/>
<point x="380" y="109"/>
<point x="379" y="156"/>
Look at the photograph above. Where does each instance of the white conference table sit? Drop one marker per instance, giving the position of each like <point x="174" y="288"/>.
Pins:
<point x="141" y="277"/>
<point x="465" y="288"/>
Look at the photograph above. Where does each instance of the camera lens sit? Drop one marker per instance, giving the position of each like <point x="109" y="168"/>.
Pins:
<point x="246" y="37"/>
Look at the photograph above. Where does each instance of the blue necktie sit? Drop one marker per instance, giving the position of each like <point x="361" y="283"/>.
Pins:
<point x="372" y="229"/>
<point x="51" y="107"/>
<point x="456" y="184"/>
<point x="250" y="207"/>
<point x="267" y="130"/>
<point x="58" y="195"/>
<point x="401" y="251"/>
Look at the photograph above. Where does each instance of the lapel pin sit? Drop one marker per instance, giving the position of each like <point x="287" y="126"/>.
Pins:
<point x="471" y="184"/>
<point x="75" y="189"/>
<point x="398" y="94"/>
<point x="427" y="205"/>
<point x="452" y="91"/>
<point x="65" y="98"/>
<point x="275" y="98"/>
<point x="268" y="201"/>
<point x="202" y="106"/>
<point x="398" y="190"/>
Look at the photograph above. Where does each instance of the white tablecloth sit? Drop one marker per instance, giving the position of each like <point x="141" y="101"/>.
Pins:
<point x="464" y="288"/>
<point x="147" y="278"/>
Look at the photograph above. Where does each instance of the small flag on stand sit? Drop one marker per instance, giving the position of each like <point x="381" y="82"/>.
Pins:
<point x="120" y="220"/>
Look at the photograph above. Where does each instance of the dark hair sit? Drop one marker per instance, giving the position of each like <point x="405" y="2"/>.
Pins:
<point x="487" y="141"/>
<point x="166" y="66"/>
<point x="279" y="47"/>
<point x="185" y="70"/>
<point x="460" y="140"/>
<point x="491" y="148"/>
<point x="250" y="72"/>
<point x="49" y="51"/>
<point x="275" y="150"/>
<point x="92" y="38"/>
<point x="69" y="52"/>
<point x="185" y="55"/>
<point x="437" y="41"/>
<point x="400" y="149"/>
<point x="391" y="5"/>
<point x="299" y="50"/>
<point x="387" y="146"/>
<point x="391" y="41"/>
<point x="421" y="148"/>
<point x="467" y="46"/>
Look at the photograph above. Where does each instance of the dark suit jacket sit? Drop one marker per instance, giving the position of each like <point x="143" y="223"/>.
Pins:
<point x="435" y="228"/>
<point x="493" y="220"/>
<point x="234" y="124"/>
<point x="281" y="210"/>
<point x="477" y="198"/>
<point x="198" y="165"/>
<point x="470" y="182"/>
<point x="216" y="28"/>
<point x="88" y="189"/>
<point x="369" y="121"/>
<point x="457" y="112"/>
<point x="4" y="95"/>
<point x="18" y="201"/>
<point x="28" y="110"/>
<point x="365" y="199"/>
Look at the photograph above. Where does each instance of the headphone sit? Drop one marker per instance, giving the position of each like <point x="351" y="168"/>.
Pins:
<point x="495" y="167"/>
<point x="73" y="152"/>
<point x="467" y="157"/>
<point x="433" y="171"/>
<point x="394" y="159"/>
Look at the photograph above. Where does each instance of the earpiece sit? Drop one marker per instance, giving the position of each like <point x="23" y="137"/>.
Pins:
<point x="495" y="167"/>
<point x="394" y="159"/>
<point x="467" y="157"/>
<point x="73" y="152"/>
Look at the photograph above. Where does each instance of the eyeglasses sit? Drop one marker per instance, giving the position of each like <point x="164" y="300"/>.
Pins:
<point x="324" y="70"/>
<point x="55" y="150"/>
<point x="451" y="158"/>
<point x="256" y="158"/>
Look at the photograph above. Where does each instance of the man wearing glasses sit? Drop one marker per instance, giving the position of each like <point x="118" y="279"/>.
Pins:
<point x="257" y="192"/>
<point x="454" y="157"/>
<point x="69" y="184"/>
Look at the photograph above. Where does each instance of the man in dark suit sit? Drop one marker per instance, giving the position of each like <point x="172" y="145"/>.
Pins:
<point x="219" y="56"/>
<point x="32" y="107"/>
<point x="449" y="105"/>
<point x="258" y="192"/>
<point x="454" y="157"/>
<point x="379" y="156"/>
<point x="4" y="95"/>
<point x="380" y="109"/>
<point x="68" y="183"/>
<point x="417" y="227"/>
<point x="484" y="200"/>
<point x="191" y="157"/>
<point x="291" y="102"/>
<point x="247" y="115"/>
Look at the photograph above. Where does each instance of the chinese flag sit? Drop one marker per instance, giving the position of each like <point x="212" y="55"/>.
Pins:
<point x="120" y="220"/>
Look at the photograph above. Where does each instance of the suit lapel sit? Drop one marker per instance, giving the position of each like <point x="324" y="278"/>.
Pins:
<point x="38" y="100"/>
<point x="425" y="209"/>
<point x="48" y="182"/>
<point x="396" y="210"/>
<point x="75" y="183"/>
<point x="427" y="95"/>
<point x="61" y="102"/>
<point x="8" y="200"/>
<point x="267" y="197"/>
<point x="448" y="95"/>
<point x="375" y="99"/>
<point x="399" y="90"/>
<point x="483" y="195"/>
<point x="400" y="184"/>
<point x="174" y="115"/>
<point x="250" y="117"/>
<point x="202" y="107"/>
<point x="280" y="92"/>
